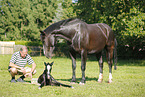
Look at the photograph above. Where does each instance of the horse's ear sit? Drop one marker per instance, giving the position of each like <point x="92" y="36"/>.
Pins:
<point x="45" y="63"/>
<point x="42" y="32"/>
<point x="52" y="63"/>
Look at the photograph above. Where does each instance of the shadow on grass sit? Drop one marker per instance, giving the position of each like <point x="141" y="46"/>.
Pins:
<point x="78" y="79"/>
<point x="131" y="62"/>
<point x="26" y="81"/>
<point x="120" y="62"/>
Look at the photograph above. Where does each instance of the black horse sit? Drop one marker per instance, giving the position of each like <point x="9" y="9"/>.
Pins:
<point x="46" y="78"/>
<point x="84" y="39"/>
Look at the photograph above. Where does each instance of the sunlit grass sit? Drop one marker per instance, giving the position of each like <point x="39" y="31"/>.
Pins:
<point x="128" y="79"/>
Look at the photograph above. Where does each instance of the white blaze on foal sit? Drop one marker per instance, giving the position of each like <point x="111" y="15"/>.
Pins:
<point x="48" y="71"/>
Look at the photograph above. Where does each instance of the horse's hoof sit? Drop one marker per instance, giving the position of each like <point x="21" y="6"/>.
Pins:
<point x="110" y="81"/>
<point x="72" y="87"/>
<point x="100" y="80"/>
<point x="39" y="87"/>
<point x="73" y="81"/>
<point x="81" y="83"/>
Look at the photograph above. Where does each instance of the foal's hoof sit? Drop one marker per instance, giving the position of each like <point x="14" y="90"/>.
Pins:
<point x="100" y="80"/>
<point x="81" y="83"/>
<point x="110" y="81"/>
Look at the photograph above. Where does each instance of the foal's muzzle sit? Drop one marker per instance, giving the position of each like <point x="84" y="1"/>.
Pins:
<point x="48" y="76"/>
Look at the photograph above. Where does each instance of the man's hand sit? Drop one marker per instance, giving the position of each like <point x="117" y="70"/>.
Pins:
<point x="21" y="68"/>
<point x="30" y="74"/>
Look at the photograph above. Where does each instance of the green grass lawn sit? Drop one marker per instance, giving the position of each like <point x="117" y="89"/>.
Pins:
<point x="128" y="80"/>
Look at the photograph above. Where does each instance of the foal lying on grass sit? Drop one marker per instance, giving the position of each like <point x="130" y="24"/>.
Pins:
<point x="46" y="78"/>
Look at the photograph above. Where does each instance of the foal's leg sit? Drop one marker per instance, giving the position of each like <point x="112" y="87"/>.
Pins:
<point x="83" y="65"/>
<point x="43" y="81"/>
<point x="73" y="57"/>
<point x="100" y="60"/>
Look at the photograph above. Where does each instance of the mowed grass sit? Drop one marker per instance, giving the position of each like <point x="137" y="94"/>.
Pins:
<point x="128" y="79"/>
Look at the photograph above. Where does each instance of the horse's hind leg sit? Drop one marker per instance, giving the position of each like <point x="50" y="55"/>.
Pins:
<point x="115" y="55"/>
<point x="73" y="57"/>
<point x="83" y="66"/>
<point x="100" y="60"/>
<point x="110" y="62"/>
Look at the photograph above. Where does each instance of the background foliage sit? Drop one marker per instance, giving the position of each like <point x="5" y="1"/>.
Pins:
<point x="23" y="19"/>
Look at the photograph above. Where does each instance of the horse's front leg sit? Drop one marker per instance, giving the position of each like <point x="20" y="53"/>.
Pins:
<point x="100" y="60"/>
<point x="83" y="65"/>
<point x="110" y="62"/>
<point x="73" y="57"/>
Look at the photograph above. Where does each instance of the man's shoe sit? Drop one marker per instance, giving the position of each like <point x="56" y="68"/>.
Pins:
<point x="20" y="80"/>
<point x="13" y="81"/>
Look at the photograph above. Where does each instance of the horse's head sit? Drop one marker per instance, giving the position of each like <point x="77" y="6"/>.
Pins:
<point x="49" y="42"/>
<point x="48" y="68"/>
<point x="58" y="29"/>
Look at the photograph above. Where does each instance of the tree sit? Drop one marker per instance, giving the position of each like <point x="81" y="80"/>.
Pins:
<point x="65" y="10"/>
<point x="126" y="17"/>
<point x="68" y="9"/>
<point x="22" y="20"/>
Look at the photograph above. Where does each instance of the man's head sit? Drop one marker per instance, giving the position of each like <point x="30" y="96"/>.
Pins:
<point x="23" y="51"/>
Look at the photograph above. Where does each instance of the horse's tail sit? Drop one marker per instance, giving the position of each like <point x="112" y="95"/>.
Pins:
<point x="60" y="84"/>
<point x="115" y="55"/>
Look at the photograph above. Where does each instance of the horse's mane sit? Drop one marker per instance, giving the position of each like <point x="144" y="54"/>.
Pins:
<point x="65" y="22"/>
<point x="72" y="21"/>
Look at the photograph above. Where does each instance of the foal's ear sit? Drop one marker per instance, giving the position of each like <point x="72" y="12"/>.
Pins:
<point x="45" y="63"/>
<point x="52" y="63"/>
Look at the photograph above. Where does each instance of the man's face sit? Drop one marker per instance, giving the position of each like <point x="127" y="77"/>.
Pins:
<point x="23" y="53"/>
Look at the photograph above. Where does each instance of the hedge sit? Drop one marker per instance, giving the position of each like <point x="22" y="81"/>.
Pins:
<point x="29" y="43"/>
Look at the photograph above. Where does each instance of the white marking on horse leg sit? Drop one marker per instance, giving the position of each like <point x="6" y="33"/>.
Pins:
<point x="81" y="83"/>
<point x="100" y="78"/>
<point x="43" y="50"/>
<point x="110" y="78"/>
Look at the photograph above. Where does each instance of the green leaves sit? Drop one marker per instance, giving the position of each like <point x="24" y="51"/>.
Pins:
<point x="22" y="20"/>
<point x="135" y="24"/>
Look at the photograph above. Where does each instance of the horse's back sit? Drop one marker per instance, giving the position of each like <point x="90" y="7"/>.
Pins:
<point x="100" y="35"/>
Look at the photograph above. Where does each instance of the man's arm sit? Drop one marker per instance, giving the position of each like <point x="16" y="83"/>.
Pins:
<point x="33" y="67"/>
<point x="15" y="66"/>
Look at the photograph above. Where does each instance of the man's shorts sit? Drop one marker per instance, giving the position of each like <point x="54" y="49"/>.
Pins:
<point x="27" y="69"/>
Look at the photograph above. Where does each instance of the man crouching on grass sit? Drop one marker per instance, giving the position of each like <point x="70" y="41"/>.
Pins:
<point x="17" y="65"/>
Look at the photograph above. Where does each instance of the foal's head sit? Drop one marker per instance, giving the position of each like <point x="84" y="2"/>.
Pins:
<point x="48" y="68"/>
